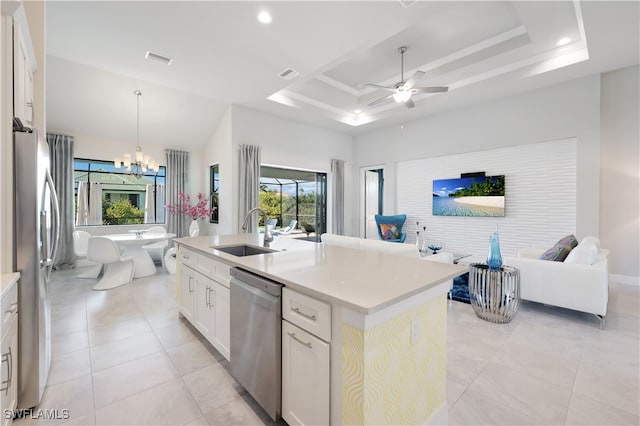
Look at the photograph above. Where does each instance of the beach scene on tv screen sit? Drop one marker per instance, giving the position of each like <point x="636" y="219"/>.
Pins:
<point x="474" y="196"/>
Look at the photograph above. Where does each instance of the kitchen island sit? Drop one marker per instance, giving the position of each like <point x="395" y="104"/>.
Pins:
<point x="387" y="322"/>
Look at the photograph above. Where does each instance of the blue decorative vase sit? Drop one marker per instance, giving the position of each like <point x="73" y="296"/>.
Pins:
<point x="494" y="260"/>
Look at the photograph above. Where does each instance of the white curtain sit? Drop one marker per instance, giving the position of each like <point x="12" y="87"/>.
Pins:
<point x="61" y="155"/>
<point x="249" y="185"/>
<point x="95" y="204"/>
<point x="82" y="217"/>
<point x="177" y="181"/>
<point x="160" y="203"/>
<point x="149" y="205"/>
<point x="337" y="169"/>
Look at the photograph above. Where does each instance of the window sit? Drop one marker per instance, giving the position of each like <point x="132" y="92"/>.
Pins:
<point x="105" y="195"/>
<point x="214" y="185"/>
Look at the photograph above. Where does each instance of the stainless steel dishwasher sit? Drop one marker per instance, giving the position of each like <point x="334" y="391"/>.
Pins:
<point x="256" y="337"/>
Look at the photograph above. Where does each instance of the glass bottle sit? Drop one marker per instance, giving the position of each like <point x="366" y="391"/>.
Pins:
<point x="494" y="260"/>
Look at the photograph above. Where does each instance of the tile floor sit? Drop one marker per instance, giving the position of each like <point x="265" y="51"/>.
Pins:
<point x="124" y="357"/>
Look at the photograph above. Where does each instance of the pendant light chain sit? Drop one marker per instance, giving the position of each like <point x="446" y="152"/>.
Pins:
<point x="137" y="164"/>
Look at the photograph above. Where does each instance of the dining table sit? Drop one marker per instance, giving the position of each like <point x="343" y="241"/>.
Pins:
<point x="133" y="244"/>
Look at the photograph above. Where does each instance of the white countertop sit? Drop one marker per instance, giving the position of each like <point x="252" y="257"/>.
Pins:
<point x="7" y="281"/>
<point x="364" y="281"/>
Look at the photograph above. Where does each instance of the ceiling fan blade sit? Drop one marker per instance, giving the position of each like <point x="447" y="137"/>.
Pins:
<point x="377" y="86"/>
<point x="377" y="101"/>
<point x="409" y="103"/>
<point x="435" y="89"/>
<point x="415" y="78"/>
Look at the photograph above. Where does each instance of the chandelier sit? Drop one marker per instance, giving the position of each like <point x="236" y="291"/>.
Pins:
<point x="138" y="164"/>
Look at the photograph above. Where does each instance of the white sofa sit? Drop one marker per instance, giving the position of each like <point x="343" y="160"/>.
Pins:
<point x="580" y="283"/>
<point x="380" y="246"/>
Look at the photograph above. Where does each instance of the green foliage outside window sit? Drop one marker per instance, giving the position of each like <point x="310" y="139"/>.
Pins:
<point x="121" y="213"/>
<point x="270" y="203"/>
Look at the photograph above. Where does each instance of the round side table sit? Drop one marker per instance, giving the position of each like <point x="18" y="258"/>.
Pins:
<point x="495" y="294"/>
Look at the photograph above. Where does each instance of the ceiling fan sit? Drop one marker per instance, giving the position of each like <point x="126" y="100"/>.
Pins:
<point x="403" y="90"/>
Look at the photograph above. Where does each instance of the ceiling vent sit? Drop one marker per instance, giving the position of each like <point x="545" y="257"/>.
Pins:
<point x="158" y="58"/>
<point x="289" y="73"/>
<point x="408" y="3"/>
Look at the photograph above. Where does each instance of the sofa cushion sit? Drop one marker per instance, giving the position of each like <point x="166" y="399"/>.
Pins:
<point x="389" y="231"/>
<point x="585" y="253"/>
<point x="561" y="249"/>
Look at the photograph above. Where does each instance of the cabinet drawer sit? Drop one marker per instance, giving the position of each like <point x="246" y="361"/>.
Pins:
<point x="9" y="306"/>
<point x="307" y="313"/>
<point x="188" y="257"/>
<point x="222" y="273"/>
<point x="205" y="265"/>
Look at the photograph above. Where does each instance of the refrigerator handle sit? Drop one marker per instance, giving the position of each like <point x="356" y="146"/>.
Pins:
<point x="55" y="225"/>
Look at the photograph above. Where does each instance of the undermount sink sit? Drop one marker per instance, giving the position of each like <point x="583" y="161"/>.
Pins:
<point x="244" y="250"/>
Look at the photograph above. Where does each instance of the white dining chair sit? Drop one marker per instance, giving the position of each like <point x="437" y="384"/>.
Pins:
<point x="80" y="246"/>
<point x="118" y="270"/>
<point x="157" y="250"/>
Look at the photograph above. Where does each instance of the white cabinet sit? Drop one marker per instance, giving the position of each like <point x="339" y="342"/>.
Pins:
<point x="305" y="359"/>
<point x="9" y="351"/>
<point x="203" y="297"/>
<point x="186" y="291"/>
<point x="23" y="70"/>
<point x="222" y="338"/>
<point x="205" y="315"/>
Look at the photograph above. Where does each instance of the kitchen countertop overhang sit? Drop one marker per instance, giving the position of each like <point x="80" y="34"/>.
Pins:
<point x="364" y="281"/>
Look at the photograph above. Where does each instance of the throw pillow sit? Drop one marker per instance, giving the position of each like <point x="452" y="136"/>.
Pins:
<point x="389" y="231"/>
<point x="593" y="240"/>
<point x="584" y="254"/>
<point x="561" y="249"/>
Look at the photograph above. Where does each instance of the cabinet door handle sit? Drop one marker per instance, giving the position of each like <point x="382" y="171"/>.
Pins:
<point x="302" y="342"/>
<point x="207" y="297"/>
<point x="299" y="312"/>
<point x="190" y="287"/>
<point x="210" y="292"/>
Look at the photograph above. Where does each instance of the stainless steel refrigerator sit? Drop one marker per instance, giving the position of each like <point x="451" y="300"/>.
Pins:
<point x="36" y="234"/>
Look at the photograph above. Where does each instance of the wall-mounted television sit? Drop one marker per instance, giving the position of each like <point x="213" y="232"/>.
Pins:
<point x="470" y="196"/>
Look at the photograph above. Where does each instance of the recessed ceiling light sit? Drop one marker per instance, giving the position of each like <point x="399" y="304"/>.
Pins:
<point x="563" y="41"/>
<point x="358" y="111"/>
<point x="264" y="17"/>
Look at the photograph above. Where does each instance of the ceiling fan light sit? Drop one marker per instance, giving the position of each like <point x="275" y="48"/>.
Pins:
<point x="401" y="96"/>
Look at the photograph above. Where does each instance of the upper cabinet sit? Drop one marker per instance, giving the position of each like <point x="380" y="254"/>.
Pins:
<point x="24" y="67"/>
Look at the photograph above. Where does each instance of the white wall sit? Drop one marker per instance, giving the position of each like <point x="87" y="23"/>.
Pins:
<point x="283" y="143"/>
<point x="540" y="197"/>
<point x="620" y="171"/>
<point x="571" y="109"/>
<point x="219" y="150"/>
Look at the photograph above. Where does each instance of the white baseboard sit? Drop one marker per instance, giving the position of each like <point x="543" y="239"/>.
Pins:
<point x="440" y="417"/>
<point x="625" y="279"/>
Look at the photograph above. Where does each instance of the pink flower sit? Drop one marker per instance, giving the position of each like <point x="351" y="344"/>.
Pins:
<point x="200" y="210"/>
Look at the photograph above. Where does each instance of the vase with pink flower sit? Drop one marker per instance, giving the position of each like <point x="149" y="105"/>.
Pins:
<point x="196" y="208"/>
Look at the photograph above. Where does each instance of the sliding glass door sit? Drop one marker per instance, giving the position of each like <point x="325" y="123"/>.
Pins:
<point x="295" y="195"/>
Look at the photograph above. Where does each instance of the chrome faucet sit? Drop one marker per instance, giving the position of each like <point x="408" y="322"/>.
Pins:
<point x="268" y="237"/>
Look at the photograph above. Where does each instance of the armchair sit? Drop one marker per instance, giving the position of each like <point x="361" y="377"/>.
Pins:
<point x="390" y="228"/>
